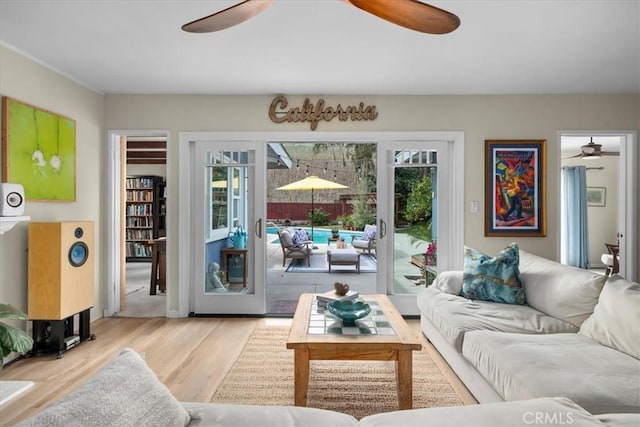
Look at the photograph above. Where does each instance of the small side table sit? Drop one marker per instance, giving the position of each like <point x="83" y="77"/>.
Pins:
<point x="226" y="253"/>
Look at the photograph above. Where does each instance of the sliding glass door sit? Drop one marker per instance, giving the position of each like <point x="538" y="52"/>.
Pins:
<point x="411" y="192"/>
<point x="228" y="180"/>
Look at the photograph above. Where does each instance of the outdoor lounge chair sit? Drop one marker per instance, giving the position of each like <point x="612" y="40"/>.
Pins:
<point x="366" y="242"/>
<point x="291" y="250"/>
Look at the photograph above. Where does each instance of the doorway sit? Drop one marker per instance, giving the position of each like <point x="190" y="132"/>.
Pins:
<point x="192" y="260"/>
<point x="613" y="218"/>
<point x="137" y="207"/>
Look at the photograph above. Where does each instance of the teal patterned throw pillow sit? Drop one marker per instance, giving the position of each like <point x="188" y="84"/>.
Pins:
<point x="494" y="279"/>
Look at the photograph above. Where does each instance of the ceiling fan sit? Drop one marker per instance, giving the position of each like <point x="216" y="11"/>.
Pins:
<point x="593" y="151"/>
<point x="411" y="14"/>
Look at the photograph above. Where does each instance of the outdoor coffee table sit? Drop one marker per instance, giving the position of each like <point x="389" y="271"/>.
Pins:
<point x="382" y="335"/>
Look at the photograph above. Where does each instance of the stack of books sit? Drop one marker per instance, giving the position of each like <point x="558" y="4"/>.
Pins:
<point x="327" y="297"/>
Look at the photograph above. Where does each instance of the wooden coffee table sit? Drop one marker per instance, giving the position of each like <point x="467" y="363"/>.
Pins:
<point x="317" y="335"/>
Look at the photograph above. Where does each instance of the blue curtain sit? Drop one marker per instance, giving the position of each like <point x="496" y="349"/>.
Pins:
<point x="575" y="230"/>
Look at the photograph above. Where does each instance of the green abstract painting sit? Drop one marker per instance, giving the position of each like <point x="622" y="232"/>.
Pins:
<point x="38" y="151"/>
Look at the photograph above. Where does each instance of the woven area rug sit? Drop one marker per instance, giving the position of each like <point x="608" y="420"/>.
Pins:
<point x="263" y="375"/>
<point x="319" y="264"/>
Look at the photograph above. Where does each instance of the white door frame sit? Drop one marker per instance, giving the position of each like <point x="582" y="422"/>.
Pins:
<point x="185" y="199"/>
<point x="114" y="207"/>
<point x="627" y="195"/>
<point x="253" y="302"/>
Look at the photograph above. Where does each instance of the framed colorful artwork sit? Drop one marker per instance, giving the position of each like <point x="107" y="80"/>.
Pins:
<point x="515" y="183"/>
<point x="38" y="151"/>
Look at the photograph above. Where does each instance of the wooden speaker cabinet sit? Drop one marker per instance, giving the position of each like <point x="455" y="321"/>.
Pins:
<point x="61" y="269"/>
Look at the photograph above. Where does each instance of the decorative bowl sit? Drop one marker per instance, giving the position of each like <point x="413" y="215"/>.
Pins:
<point x="349" y="311"/>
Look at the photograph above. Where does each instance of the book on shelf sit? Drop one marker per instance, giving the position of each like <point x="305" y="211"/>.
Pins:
<point x="327" y="297"/>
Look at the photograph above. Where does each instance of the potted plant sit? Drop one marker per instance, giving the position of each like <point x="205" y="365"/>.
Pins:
<point x="348" y="225"/>
<point x="335" y="233"/>
<point x="12" y="339"/>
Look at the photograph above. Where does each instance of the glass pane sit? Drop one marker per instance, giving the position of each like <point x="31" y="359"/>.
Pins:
<point x="218" y="198"/>
<point x="329" y="194"/>
<point x="225" y="223"/>
<point x="415" y="222"/>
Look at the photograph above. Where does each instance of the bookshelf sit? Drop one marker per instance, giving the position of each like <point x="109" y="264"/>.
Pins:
<point x="144" y="215"/>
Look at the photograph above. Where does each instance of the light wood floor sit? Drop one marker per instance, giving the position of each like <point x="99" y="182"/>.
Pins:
<point x="190" y="356"/>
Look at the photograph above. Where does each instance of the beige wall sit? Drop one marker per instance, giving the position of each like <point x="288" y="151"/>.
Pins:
<point x="32" y="83"/>
<point x="480" y="117"/>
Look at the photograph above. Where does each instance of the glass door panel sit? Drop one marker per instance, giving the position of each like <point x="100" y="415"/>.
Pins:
<point x="328" y="190"/>
<point x="229" y="209"/>
<point x="415" y="219"/>
<point x="412" y="180"/>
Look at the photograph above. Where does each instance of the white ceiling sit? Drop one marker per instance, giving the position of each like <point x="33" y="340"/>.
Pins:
<point x="330" y="47"/>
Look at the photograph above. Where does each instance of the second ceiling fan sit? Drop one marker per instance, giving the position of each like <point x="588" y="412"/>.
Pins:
<point x="593" y="151"/>
<point x="411" y="14"/>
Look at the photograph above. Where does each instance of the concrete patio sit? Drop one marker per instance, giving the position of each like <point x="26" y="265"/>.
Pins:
<point x="283" y="288"/>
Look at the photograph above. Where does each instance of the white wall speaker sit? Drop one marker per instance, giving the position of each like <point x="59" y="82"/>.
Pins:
<point x="11" y="199"/>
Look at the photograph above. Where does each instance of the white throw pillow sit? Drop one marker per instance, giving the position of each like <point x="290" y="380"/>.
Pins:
<point x="449" y="282"/>
<point x="123" y="393"/>
<point x="615" y="321"/>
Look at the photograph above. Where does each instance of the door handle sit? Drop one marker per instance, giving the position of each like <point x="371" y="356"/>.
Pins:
<point x="383" y="228"/>
<point x="257" y="228"/>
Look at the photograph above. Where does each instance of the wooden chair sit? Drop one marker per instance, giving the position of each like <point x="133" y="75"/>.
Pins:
<point x="366" y="242"/>
<point x="291" y="250"/>
<point x="611" y="259"/>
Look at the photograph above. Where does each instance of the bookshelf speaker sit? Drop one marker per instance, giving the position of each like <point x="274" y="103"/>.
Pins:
<point x="61" y="269"/>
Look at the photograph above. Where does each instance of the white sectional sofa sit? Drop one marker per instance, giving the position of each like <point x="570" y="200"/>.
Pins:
<point x="578" y="336"/>
<point x="127" y="393"/>
<point x="568" y="357"/>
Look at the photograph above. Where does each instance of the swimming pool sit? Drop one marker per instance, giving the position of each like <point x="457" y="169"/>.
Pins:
<point x="320" y="235"/>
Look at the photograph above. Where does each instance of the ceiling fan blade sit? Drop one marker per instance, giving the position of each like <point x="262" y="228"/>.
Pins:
<point x="228" y="17"/>
<point x="411" y="14"/>
<point x="572" y="157"/>
<point x="609" y="153"/>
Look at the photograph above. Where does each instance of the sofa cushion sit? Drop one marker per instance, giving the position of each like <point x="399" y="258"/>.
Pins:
<point x="568" y="293"/>
<point x="547" y="411"/>
<point x="454" y="316"/>
<point x="123" y="393"/>
<point x="494" y="279"/>
<point x="615" y="321"/>
<point x="521" y="366"/>
<point x="224" y="414"/>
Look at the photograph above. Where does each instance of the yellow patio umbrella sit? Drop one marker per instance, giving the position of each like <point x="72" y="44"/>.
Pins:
<point x="312" y="183"/>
